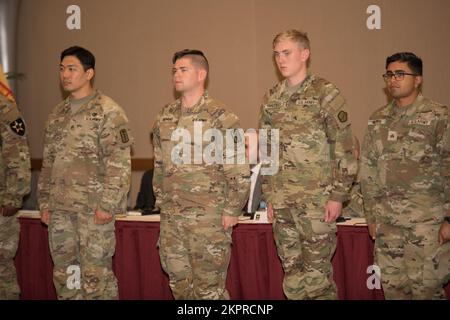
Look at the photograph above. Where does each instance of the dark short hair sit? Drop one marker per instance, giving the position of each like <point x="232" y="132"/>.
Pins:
<point x="197" y="57"/>
<point x="86" y="58"/>
<point x="413" y="61"/>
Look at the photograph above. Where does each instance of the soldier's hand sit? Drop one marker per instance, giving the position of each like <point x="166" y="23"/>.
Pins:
<point x="444" y="232"/>
<point x="229" y="221"/>
<point x="45" y="217"/>
<point x="332" y="210"/>
<point x="8" y="211"/>
<point x="101" y="217"/>
<point x="372" y="230"/>
<point x="270" y="212"/>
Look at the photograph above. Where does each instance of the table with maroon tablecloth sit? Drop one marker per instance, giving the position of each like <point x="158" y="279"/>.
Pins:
<point x="254" y="273"/>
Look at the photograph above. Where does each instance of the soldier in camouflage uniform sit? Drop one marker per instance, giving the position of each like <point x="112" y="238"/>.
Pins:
<point x="84" y="181"/>
<point x="316" y="169"/>
<point x="200" y="202"/>
<point x="405" y="176"/>
<point x="15" y="178"/>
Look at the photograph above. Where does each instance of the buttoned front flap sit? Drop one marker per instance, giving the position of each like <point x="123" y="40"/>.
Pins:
<point x="420" y="136"/>
<point x="168" y="124"/>
<point x="83" y="133"/>
<point x="408" y="151"/>
<point x="304" y="133"/>
<point x="74" y="171"/>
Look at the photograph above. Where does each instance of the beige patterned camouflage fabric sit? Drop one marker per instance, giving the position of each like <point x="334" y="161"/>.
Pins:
<point x="15" y="175"/>
<point x="193" y="246"/>
<point x="405" y="176"/>
<point x="86" y="167"/>
<point x="316" y="165"/>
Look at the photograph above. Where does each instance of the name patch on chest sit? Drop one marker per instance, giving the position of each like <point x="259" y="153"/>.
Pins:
<point x="376" y="122"/>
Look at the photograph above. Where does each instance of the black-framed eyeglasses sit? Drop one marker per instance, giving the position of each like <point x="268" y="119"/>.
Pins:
<point x="397" y="75"/>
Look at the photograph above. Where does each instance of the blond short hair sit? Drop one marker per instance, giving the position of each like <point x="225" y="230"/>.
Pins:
<point x="294" y="35"/>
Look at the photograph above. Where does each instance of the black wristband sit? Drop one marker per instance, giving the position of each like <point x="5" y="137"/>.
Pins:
<point x="447" y="219"/>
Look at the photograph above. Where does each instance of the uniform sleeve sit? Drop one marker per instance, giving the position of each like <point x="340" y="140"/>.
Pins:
<point x="237" y="175"/>
<point x="158" y="174"/>
<point x="43" y="190"/>
<point x="264" y="122"/>
<point x="16" y="158"/>
<point x="340" y="139"/>
<point x="115" y="143"/>
<point x="370" y="184"/>
<point x="443" y="147"/>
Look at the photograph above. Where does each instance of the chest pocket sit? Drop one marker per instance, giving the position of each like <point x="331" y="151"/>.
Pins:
<point x="202" y="134"/>
<point x="275" y="113"/>
<point x="59" y="130"/>
<point x="304" y="134"/>
<point x="410" y="140"/>
<point x="307" y="113"/>
<point x="84" y="132"/>
<point x="165" y="130"/>
<point x="419" y="137"/>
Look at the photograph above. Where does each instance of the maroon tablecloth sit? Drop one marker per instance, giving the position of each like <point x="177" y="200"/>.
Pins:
<point x="255" y="271"/>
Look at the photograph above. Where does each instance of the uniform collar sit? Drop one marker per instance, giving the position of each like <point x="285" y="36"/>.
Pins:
<point x="196" y="108"/>
<point x="88" y="105"/>
<point x="394" y="111"/>
<point x="299" y="87"/>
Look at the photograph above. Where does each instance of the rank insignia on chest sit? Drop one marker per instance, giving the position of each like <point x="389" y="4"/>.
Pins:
<point x="295" y="97"/>
<point x="342" y="116"/>
<point x="392" y="136"/>
<point x="18" y="126"/>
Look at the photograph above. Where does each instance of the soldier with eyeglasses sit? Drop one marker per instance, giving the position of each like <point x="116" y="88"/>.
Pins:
<point x="405" y="174"/>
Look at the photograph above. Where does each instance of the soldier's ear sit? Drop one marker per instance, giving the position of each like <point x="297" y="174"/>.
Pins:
<point x="305" y="55"/>
<point x="418" y="81"/>
<point x="90" y="73"/>
<point x="202" y="74"/>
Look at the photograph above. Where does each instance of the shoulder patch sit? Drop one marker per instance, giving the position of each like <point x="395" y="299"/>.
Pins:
<point x="342" y="116"/>
<point x="124" y="135"/>
<point x="18" y="126"/>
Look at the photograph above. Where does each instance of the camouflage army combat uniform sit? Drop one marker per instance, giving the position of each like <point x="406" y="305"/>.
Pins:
<point x="405" y="182"/>
<point x="15" y="178"/>
<point x="86" y="166"/>
<point x="354" y="208"/>
<point x="316" y="165"/>
<point x="194" y="248"/>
